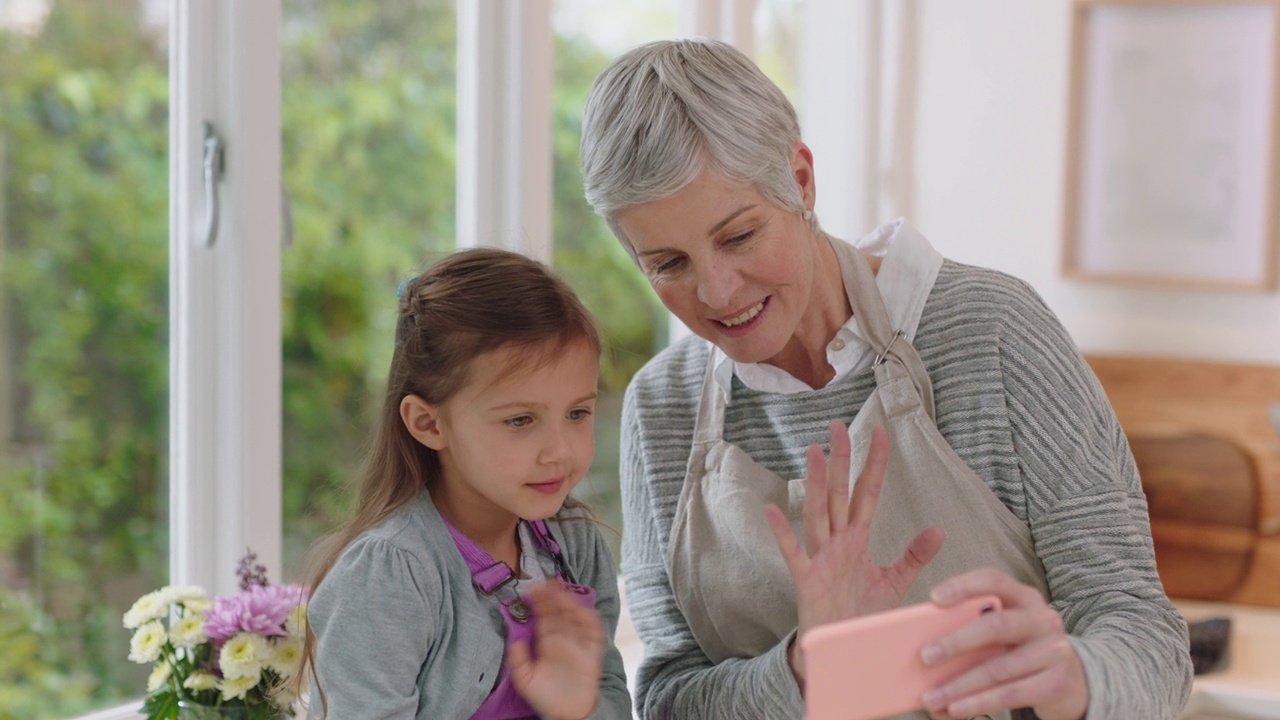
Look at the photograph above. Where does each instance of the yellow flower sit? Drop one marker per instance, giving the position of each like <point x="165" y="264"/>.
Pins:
<point x="285" y="655"/>
<point x="147" y="643"/>
<point x="188" y="632"/>
<point x="200" y="680"/>
<point x="152" y="606"/>
<point x="159" y="676"/>
<point x="233" y="688"/>
<point x="296" y="623"/>
<point x="197" y="605"/>
<point x="242" y="656"/>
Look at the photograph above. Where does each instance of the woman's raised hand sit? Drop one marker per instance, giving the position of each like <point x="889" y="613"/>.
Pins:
<point x="834" y="575"/>
<point x="1039" y="669"/>
<point x="563" y="682"/>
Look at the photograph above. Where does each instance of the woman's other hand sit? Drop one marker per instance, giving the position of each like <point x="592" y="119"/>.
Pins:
<point x="563" y="682"/>
<point x="1039" y="670"/>
<point x="834" y="576"/>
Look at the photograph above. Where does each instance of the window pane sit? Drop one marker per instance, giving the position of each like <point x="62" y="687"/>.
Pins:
<point x="777" y="24"/>
<point x="368" y="113"/>
<point x="83" y="346"/>
<point x="590" y="33"/>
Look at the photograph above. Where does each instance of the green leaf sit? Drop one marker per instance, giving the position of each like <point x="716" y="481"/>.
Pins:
<point x="161" y="706"/>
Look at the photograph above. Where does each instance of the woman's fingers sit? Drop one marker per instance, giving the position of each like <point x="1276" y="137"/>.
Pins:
<point x="866" y="493"/>
<point x="838" y="477"/>
<point x="1007" y="627"/>
<point x="1039" y="669"/>
<point x="1038" y="674"/>
<point x="794" y="555"/>
<point x="919" y="552"/>
<point x="984" y="581"/>
<point x="817" y="525"/>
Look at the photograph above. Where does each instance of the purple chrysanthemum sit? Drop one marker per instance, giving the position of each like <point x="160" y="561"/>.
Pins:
<point x="259" y="609"/>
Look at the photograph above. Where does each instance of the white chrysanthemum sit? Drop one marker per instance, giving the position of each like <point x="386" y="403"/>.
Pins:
<point x="188" y="631"/>
<point x="147" y="643"/>
<point x="183" y="593"/>
<point x="152" y="606"/>
<point x="200" y="680"/>
<point x="233" y="688"/>
<point x="284" y="699"/>
<point x="296" y="623"/>
<point x="285" y="655"/>
<point x="242" y="656"/>
<point x="159" y="676"/>
<point x="197" y="605"/>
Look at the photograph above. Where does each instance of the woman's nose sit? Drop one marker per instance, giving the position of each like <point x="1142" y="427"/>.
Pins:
<point x="716" y="286"/>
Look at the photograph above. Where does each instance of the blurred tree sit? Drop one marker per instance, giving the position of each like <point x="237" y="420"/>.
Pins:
<point x="83" y="114"/>
<point x="368" y="135"/>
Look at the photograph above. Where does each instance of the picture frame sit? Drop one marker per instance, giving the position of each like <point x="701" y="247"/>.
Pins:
<point x="1173" y="143"/>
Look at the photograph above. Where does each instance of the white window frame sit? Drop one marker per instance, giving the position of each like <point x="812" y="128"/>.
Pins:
<point x="225" y="365"/>
<point x="504" y="135"/>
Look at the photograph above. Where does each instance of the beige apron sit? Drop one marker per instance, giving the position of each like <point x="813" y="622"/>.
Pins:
<point x="727" y="574"/>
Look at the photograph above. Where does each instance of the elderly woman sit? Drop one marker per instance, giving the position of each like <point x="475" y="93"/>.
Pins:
<point x="1007" y="471"/>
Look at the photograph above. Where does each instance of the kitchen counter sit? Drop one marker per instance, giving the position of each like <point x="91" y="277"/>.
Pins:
<point x="1247" y="685"/>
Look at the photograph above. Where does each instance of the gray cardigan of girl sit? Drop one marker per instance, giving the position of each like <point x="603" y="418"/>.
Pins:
<point x="402" y="633"/>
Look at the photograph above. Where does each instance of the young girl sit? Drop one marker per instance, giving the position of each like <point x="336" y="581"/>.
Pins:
<point x="469" y="584"/>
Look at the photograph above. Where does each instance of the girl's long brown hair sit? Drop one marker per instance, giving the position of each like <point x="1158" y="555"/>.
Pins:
<point x="468" y="304"/>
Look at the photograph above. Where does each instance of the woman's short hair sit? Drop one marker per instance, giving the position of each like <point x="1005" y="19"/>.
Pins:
<point x="662" y="112"/>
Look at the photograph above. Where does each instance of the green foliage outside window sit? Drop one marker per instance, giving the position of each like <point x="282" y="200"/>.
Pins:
<point x="369" y="117"/>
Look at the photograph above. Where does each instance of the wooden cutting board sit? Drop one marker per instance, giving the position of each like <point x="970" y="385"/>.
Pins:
<point x="1210" y="464"/>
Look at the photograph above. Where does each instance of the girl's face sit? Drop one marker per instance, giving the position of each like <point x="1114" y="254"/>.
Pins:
<point x="512" y="445"/>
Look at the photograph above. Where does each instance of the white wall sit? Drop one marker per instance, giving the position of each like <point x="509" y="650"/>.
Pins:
<point x="989" y="185"/>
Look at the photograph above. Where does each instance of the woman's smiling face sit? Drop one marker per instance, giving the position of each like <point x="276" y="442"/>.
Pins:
<point x="737" y="269"/>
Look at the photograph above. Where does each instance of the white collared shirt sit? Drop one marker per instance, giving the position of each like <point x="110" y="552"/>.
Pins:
<point x="908" y="267"/>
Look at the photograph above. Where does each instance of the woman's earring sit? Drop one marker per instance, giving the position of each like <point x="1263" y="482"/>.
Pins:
<point x="807" y="215"/>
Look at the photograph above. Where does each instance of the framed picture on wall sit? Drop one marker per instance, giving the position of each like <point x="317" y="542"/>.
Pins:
<point x="1173" y="154"/>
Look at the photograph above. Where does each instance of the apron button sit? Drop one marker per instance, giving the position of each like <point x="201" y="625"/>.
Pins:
<point x="519" y="610"/>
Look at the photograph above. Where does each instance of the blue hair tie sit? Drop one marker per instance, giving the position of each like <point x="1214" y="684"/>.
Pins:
<point x="403" y="285"/>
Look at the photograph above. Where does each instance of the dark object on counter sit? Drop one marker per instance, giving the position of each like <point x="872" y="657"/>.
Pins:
<point x="1210" y="639"/>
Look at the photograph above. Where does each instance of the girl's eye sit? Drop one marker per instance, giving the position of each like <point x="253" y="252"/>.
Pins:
<point x="579" y="414"/>
<point x="519" y="422"/>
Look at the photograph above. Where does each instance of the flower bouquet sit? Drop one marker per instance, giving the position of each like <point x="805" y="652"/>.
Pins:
<point x="225" y="657"/>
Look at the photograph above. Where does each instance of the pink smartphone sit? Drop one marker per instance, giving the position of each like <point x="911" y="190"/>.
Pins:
<point x="870" y="667"/>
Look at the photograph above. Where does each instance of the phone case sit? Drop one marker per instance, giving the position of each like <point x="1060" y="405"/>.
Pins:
<point x="870" y="667"/>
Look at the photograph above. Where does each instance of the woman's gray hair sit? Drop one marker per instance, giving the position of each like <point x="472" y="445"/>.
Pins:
<point x="662" y="112"/>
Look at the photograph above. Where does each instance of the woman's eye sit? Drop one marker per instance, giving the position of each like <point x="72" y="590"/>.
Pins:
<point x="519" y="422"/>
<point x="667" y="266"/>
<point x="579" y="414"/>
<point x="741" y="237"/>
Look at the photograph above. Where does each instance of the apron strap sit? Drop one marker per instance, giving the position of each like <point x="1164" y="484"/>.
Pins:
<point x="873" y="321"/>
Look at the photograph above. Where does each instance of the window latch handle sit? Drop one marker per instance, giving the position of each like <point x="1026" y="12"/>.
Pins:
<point x="214" y="163"/>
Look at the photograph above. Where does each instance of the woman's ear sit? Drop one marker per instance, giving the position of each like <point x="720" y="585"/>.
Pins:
<point x="802" y="171"/>
<point x="423" y="421"/>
